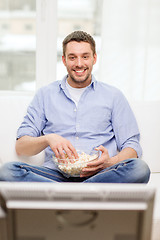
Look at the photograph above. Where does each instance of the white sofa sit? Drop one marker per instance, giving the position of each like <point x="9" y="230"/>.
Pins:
<point x="13" y="108"/>
<point x="148" y="118"/>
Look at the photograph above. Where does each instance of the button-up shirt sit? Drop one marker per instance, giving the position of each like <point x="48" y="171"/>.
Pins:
<point x="102" y="117"/>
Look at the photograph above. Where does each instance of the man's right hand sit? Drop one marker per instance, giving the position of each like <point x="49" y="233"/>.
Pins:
<point x="29" y="146"/>
<point x="61" y="146"/>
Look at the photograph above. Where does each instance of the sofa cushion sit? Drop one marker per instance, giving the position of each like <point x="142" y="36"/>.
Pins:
<point x="13" y="108"/>
<point x="148" y="117"/>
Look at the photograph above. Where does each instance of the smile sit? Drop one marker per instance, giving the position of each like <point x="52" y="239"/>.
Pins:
<point x="80" y="71"/>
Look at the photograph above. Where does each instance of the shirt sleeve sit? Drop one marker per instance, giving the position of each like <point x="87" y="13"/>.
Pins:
<point x="125" y="125"/>
<point x="34" y="121"/>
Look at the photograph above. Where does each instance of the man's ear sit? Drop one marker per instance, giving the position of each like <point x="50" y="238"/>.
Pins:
<point x="64" y="60"/>
<point x="95" y="58"/>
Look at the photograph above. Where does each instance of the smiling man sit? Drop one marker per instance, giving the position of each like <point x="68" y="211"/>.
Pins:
<point x="79" y="111"/>
<point x="79" y="60"/>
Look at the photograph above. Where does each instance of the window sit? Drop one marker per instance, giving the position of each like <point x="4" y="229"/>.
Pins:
<point x="23" y="58"/>
<point x="17" y="44"/>
<point x="32" y="31"/>
<point x="28" y="27"/>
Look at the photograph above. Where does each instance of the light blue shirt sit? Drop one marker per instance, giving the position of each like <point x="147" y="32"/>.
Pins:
<point x="102" y="117"/>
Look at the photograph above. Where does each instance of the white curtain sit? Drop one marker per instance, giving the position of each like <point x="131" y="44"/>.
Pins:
<point x="130" y="50"/>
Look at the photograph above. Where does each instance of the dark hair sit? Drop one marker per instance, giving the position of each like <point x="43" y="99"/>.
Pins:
<point x="79" y="36"/>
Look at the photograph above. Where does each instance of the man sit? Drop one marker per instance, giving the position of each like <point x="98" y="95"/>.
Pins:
<point x="79" y="111"/>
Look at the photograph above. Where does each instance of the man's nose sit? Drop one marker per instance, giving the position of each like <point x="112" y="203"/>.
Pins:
<point x="79" y="62"/>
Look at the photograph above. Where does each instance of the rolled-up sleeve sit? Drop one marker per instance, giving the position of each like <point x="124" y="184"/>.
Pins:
<point x="34" y="121"/>
<point x="125" y="125"/>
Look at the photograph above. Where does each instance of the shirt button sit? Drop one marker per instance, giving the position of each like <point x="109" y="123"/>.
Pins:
<point x="75" y="110"/>
<point x="77" y="138"/>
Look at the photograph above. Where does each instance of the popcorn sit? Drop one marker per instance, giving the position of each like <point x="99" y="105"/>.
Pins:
<point x="73" y="168"/>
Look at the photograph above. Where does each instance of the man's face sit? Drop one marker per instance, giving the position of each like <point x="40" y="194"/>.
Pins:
<point x="79" y="61"/>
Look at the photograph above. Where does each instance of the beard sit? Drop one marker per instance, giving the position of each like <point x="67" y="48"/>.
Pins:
<point x="79" y="80"/>
<point x="75" y="80"/>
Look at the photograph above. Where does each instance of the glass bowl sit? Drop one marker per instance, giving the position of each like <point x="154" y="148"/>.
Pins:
<point x="73" y="167"/>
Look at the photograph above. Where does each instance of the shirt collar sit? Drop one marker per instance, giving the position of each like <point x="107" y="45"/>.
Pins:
<point x="62" y="83"/>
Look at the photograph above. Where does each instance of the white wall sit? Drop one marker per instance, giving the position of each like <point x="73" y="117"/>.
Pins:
<point x="130" y="51"/>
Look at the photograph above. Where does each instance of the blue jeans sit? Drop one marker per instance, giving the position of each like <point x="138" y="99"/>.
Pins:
<point x="127" y="171"/>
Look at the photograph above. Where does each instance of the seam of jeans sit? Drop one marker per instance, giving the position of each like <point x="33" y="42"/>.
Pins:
<point x="42" y="171"/>
<point x="112" y="169"/>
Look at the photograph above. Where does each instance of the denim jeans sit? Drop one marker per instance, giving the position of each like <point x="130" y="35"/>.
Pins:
<point x="127" y="171"/>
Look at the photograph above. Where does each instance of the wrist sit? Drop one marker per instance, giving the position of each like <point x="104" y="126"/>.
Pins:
<point x="114" y="159"/>
<point x="46" y="140"/>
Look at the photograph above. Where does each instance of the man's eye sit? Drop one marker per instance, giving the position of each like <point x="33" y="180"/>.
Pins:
<point x="71" y="58"/>
<point x="85" y="57"/>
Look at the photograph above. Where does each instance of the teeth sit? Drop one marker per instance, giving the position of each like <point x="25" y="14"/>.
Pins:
<point x="80" y="71"/>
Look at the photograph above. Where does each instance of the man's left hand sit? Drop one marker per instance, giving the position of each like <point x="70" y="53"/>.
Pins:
<point x="95" y="166"/>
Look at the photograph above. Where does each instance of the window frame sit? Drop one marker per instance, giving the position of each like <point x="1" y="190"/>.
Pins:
<point x="46" y="50"/>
